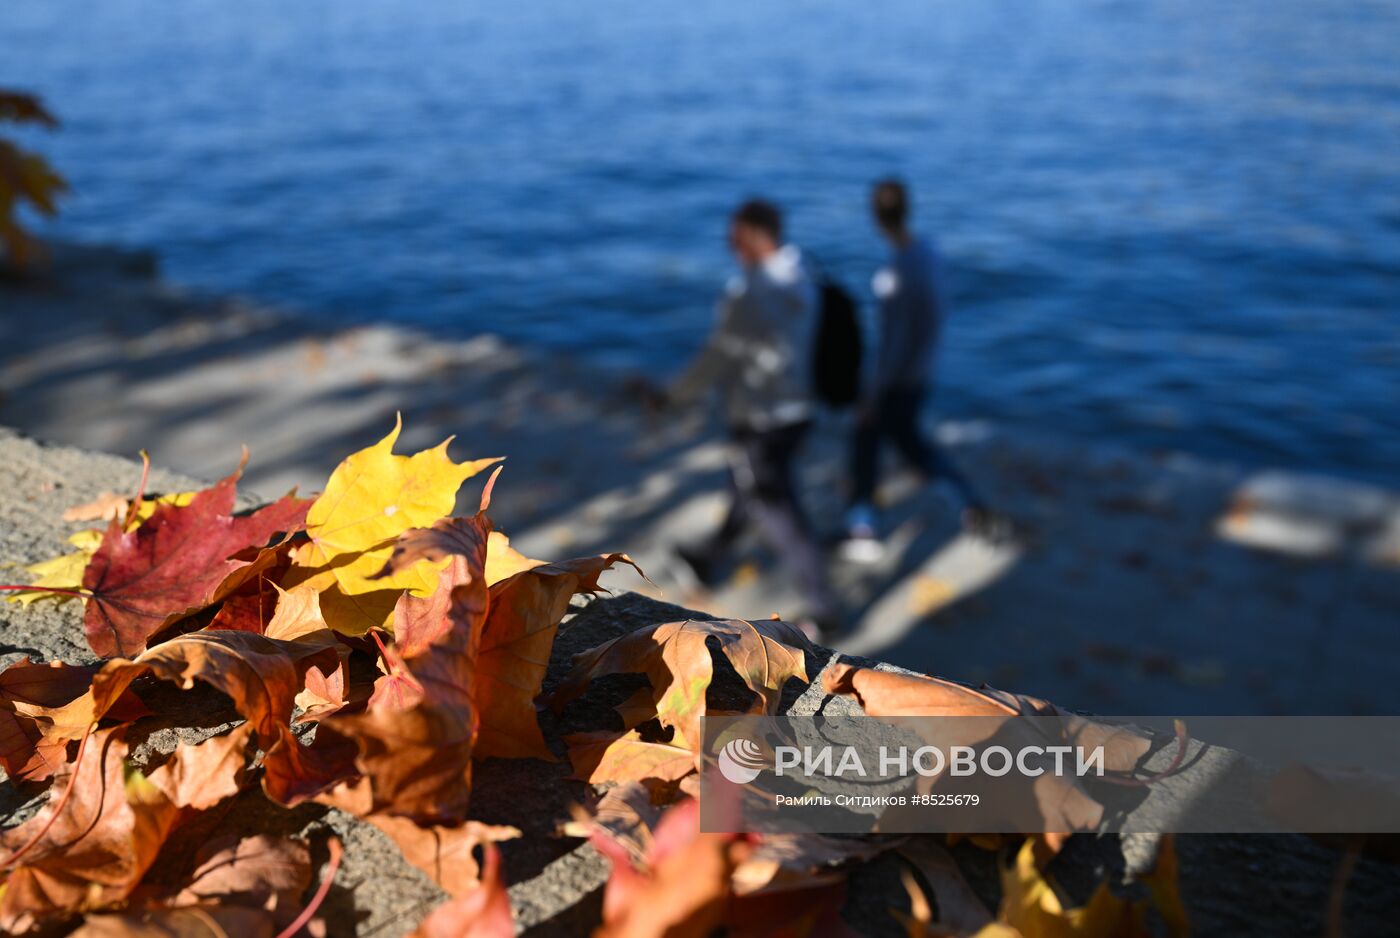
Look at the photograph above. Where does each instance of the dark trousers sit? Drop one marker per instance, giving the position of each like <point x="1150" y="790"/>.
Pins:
<point x="895" y="417"/>
<point x="764" y="494"/>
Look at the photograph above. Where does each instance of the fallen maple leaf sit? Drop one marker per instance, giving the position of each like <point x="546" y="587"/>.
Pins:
<point x="482" y="912"/>
<point x="261" y="676"/>
<point x="883" y="693"/>
<point x="504" y="561"/>
<point x="372" y="497"/>
<point x="683" y="888"/>
<point x="269" y="872"/>
<point x="1032" y="906"/>
<point x="60" y="578"/>
<point x="522" y="616"/>
<point x="92" y="852"/>
<point x="415" y="753"/>
<point x="784" y="884"/>
<point x="1055" y="804"/>
<point x="251" y="607"/>
<point x="294" y="616"/>
<point x="625" y="814"/>
<point x="675" y="657"/>
<point x="105" y="507"/>
<point x="178" y="561"/>
<point x="802" y="862"/>
<point x="103" y="827"/>
<point x="604" y="756"/>
<point x="35" y="727"/>
<point x="522" y="619"/>
<point x="200" y="775"/>
<point x="446" y="853"/>
<point x="250" y="886"/>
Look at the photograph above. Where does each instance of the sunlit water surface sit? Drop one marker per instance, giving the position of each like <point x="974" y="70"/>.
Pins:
<point x="1170" y="224"/>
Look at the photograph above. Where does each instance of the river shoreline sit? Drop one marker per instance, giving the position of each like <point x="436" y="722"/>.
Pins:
<point x="1146" y="582"/>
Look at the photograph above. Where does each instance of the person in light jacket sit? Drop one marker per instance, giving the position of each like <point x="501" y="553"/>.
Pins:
<point x="758" y="358"/>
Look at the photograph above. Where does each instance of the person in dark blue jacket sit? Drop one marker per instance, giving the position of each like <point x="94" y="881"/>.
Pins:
<point x="911" y="305"/>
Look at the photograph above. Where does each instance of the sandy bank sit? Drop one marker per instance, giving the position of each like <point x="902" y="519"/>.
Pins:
<point x="1135" y="590"/>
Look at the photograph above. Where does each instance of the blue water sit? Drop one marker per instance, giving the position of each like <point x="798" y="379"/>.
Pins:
<point x="1174" y="224"/>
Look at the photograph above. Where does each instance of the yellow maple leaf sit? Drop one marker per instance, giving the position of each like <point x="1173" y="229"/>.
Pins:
<point x="87" y="540"/>
<point x="504" y="561"/>
<point x="64" y="572"/>
<point x="371" y="498"/>
<point x="1031" y="906"/>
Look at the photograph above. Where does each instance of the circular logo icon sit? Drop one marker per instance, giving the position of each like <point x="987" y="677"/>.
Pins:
<point x="740" y="761"/>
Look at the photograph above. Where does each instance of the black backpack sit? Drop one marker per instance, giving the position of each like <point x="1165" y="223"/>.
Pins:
<point x="836" y="352"/>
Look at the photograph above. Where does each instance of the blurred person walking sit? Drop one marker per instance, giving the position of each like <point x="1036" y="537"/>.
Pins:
<point x="759" y="358"/>
<point x="910" y="295"/>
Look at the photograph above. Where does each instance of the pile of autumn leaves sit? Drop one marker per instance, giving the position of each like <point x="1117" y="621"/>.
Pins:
<point x="272" y="606"/>
<point x="182" y="589"/>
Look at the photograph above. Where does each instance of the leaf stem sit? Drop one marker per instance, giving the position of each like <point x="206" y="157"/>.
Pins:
<point x="58" y="808"/>
<point x="30" y="587"/>
<point x="332" y="865"/>
<point x="135" y="505"/>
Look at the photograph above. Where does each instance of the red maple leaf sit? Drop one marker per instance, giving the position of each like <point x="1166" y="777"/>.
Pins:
<point x="180" y="560"/>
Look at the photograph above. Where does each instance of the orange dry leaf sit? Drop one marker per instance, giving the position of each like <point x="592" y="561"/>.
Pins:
<point x="881" y="693"/>
<point x="266" y="871"/>
<point x="625" y="815"/>
<point x="251" y="886"/>
<point x="261" y="675"/>
<point x="605" y="756"/>
<point x="481" y="912"/>
<point x="200" y="775"/>
<point x="95" y="850"/>
<point x="446" y="853"/>
<point x="1054" y="804"/>
<point x="104" y="825"/>
<point x="108" y="506"/>
<point x="292" y="615"/>
<point x="675" y="657"/>
<point x="522" y="615"/>
<point x="297" y="618"/>
<point x="784" y="885"/>
<point x="34" y="735"/>
<point x="522" y="619"/>
<point x="683" y="889"/>
<point x="415" y="751"/>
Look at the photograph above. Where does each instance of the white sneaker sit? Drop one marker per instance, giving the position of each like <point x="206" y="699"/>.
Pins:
<point x="861" y="545"/>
